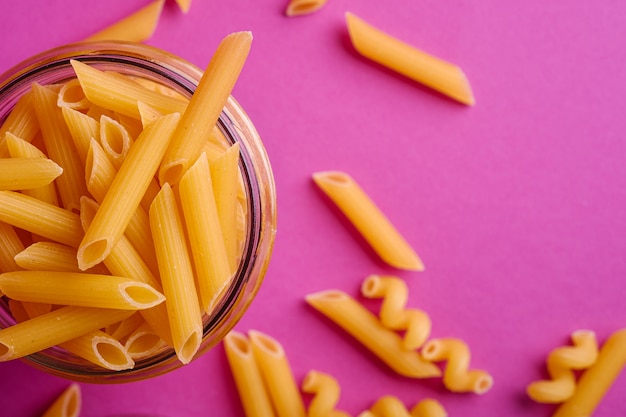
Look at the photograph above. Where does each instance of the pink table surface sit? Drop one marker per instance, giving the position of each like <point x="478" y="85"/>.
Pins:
<point x="516" y="205"/>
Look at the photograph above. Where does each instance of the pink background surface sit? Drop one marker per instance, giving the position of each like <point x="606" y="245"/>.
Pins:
<point x="516" y="206"/>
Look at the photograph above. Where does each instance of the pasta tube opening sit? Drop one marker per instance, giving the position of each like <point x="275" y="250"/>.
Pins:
<point x="72" y="96"/>
<point x="141" y="295"/>
<point x="302" y="7"/>
<point x="190" y="347"/>
<point x="143" y="343"/>
<point x="68" y="404"/>
<point x="93" y="252"/>
<point x="112" y="355"/>
<point x="6" y="352"/>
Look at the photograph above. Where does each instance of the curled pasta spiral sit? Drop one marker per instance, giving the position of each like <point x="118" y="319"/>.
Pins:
<point x="391" y="406"/>
<point x="326" y="391"/>
<point x="393" y="312"/>
<point x="561" y="364"/>
<point x="457" y="376"/>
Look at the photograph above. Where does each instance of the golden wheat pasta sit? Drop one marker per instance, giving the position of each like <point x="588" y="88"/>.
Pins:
<point x="67" y="404"/>
<point x="79" y="289"/>
<point x="176" y="272"/>
<point x="115" y="140"/>
<point x="253" y="394"/>
<point x="596" y="381"/>
<point x="415" y="323"/>
<point x="428" y="407"/>
<point x="225" y="172"/>
<point x="144" y="342"/>
<point x="60" y="148"/>
<point x="10" y="245"/>
<point x="409" y="61"/>
<point x="213" y="272"/>
<point x="52" y="256"/>
<point x="22" y="120"/>
<point x="95" y="111"/>
<point x="101" y="349"/>
<point x="368" y="219"/>
<point x="277" y="374"/>
<point x="389" y="406"/>
<point x="36" y="309"/>
<point x="561" y="364"/>
<point x="17" y="310"/>
<point x="148" y="113"/>
<point x="303" y="7"/>
<point x="365" y="327"/>
<point x="82" y="129"/>
<point x="117" y="94"/>
<point x="184" y="5"/>
<point x="125" y="260"/>
<point x="122" y="329"/>
<point x="53" y="328"/>
<point x="40" y="218"/>
<point x="27" y="173"/>
<point x="125" y="193"/>
<point x="457" y="377"/>
<point x="205" y="106"/>
<point x="136" y="27"/>
<point x="157" y="87"/>
<point x="72" y="96"/>
<point x="326" y="393"/>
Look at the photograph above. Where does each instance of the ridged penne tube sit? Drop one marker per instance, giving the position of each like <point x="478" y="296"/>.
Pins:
<point x="115" y="140"/>
<point x="148" y="113"/>
<point x="326" y="393"/>
<point x="72" y="96"/>
<point x="561" y="364"/>
<point x="409" y="61"/>
<point x="368" y="219"/>
<point x="53" y="328"/>
<point x="40" y="218"/>
<point x="27" y="173"/>
<point x="136" y="27"/>
<point x="10" y="245"/>
<point x="18" y="147"/>
<point x="126" y="190"/>
<point x="253" y="395"/>
<point x="393" y="312"/>
<point x="302" y="7"/>
<point x="457" y="377"/>
<point x="52" y="256"/>
<point x="22" y="120"/>
<point x="277" y="374"/>
<point x="205" y="106"/>
<point x="176" y="272"/>
<point x="225" y="180"/>
<point x="101" y="349"/>
<point x="143" y="342"/>
<point x="82" y="129"/>
<point x="121" y="95"/>
<point x="428" y="407"/>
<point x="57" y="139"/>
<point x="67" y="404"/>
<point x="79" y="289"/>
<point x="365" y="327"/>
<point x="594" y="383"/>
<point x="213" y="272"/>
<point x="122" y="329"/>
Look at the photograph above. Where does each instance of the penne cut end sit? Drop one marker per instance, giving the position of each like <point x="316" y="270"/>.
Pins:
<point x="6" y="350"/>
<point x="140" y="296"/>
<point x="237" y="343"/>
<point x="265" y="343"/>
<point x="136" y="27"/>
<point x="303" y="7"/>
<point x="111" y="354"/>
<point x="318" y="299"/>
<point x="143" y="343"/>
<point x="92" y="253"/>
<point x="68" y="404"/>
<point x="190" y="347"/>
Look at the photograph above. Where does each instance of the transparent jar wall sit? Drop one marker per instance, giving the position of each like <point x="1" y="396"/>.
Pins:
<point x="139" y="60"/>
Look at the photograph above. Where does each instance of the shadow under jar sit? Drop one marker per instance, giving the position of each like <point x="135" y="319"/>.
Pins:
<point x="137" y="60"/>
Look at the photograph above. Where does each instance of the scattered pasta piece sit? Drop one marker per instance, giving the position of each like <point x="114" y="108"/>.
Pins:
<point x="27" y="173"/>
<point x="411" y="62"/>
<point x="137" y="27"/>
<point x="393" y="313"/>
<point x="184" y="5"/>
<point x="561" y="364"/>
<point x="368" y="219"/>
<point x="68" y="404"/>
<point x="457" y="376"/>
<point x="326" y="392"/>
<point x="391" y="406"/>
<point x="303" y="7"/>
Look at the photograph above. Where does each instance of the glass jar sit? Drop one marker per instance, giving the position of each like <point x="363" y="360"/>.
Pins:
<point x="153" y="64"/>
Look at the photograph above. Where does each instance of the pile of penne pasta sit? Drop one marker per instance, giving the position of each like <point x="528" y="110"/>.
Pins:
<point x="122" y="213"/>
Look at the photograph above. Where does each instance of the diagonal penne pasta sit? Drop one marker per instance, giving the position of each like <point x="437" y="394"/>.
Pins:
<point x="22" y="120"/>
<point x="115" y="140"/>
<point x="82" y="129"/>
<point x="51" y="256"/>
<point x="68" y="404"/>
<point x="137" y="27"/>
<point x="27" y="173"/>
<point x="10" y="246"/>
<point x="409" y="61"/>
<point x="303" y="7"/>
<point x="101" y="349"/>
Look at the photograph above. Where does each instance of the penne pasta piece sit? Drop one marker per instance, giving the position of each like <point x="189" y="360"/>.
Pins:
<point x="27" y="173"/>
<point x="72" y="96"/>
<point x="52" y="256"/>
<point x="365" y="327"/>
<point x="277" y="374"/>
<point x="22" y="120"/>
<point x="40" y="218"/>
<point x="79" y="289"/>
<point x="10" y="246"/>
<point x="409" y="61"/>
<point x="115" y="140"/>
<point x="428" y="407"/>
<point x="205" y="106"/>
<point x="594" y="383"/>
<point x="561" y="364"/>
<point x="137" y="27"/>
<point x="121" y="95"/>
<point x="19" y="148"/>
<point x="124" y="194"/>
<point x="176" y="272"/>
<point x="303" y="7"/>
<point x="53" y="328"/>
<point x="253" y="394"/>
<point x="184" y="5"/>
<point x="393" y="312"/>
<point x="122" y="329"/>
<point x="213" y="272"/>
<point x="82" y="128"/>
<point x="368" y="219"/>
<point x="101" y="349"/>
<point x="56" y="137"/>
<point x="457" y="376"/>
<point x="68" y="404"/>
<point x="144" y="342"/>
<point x="326" y="393"/>
<point x="225" y="176"/>
<point x="148" y="113"/>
